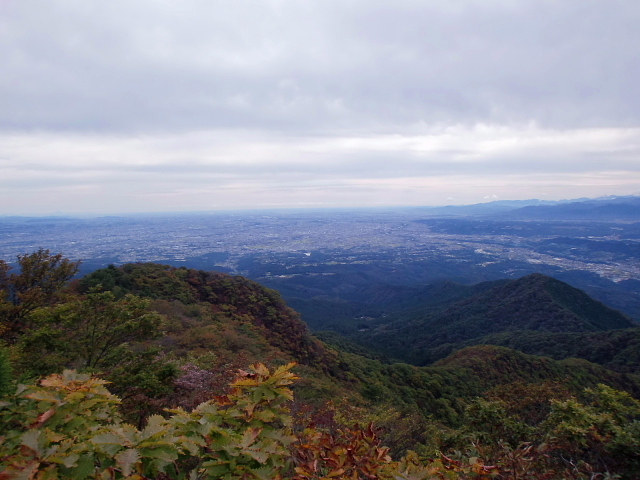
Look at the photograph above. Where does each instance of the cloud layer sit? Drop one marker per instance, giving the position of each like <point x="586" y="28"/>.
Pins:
<point x="167" y="105"/>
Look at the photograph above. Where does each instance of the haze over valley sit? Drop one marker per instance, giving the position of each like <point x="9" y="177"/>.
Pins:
<point x="332" y="251"/>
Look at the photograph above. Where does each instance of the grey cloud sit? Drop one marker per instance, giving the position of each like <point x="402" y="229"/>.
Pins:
<point x="337" y="165"/>
<point x="152" y="105"/>
<point x="312" y="67"/>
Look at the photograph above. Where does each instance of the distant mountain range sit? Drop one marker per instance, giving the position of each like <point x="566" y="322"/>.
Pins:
<point x="611" y="208"/>
<point x="620" y="208"/>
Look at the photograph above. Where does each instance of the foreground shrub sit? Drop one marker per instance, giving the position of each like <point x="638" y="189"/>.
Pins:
<point x="69" y="427"/>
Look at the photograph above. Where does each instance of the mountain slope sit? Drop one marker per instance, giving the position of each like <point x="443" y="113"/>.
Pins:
<point x="533" y="303"/>
<point x="240" y="321"/>
<point x="345" y="311"/>
<point x="500" y="366"/>
<point x="617" y="350"/>
<point x="226" y="297"/>
<point x="213" y="324"/>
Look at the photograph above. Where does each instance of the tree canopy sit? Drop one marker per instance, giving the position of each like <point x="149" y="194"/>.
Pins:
<point x="38" y="282"/>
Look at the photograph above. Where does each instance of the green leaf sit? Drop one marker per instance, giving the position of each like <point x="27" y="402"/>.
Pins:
<point x="249" y="436"/>
<point x="131" y="433"/>
<point x="265" y="416"/>
<point x="165" y="452"/>
<point x="32" y="440"/>
<point x="263" y="473"/>
<point x="155" y="424"/>
<point x="259" y="455"/>
<point x="215" y="470"/>
<point x="126" y="460"/>
<point x="110" y="443"/>
<point x="84" y="468"/>
<point x="44" y="396"/>
<point x="74" y="423"/>
<point x="70" y="460"/>
<point x="107" y="438"/>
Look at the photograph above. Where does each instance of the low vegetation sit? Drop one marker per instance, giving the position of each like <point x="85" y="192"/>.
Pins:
<point x="153" y="372"/>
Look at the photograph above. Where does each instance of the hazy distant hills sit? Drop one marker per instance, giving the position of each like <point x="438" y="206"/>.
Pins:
<point x="489" y="208"/>
<point x="620" y="208"/>
<point x="535" y="303"/>
<point x="626" y="208"/>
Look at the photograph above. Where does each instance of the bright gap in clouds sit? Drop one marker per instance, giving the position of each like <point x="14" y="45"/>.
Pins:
<point x="211" y="170"/>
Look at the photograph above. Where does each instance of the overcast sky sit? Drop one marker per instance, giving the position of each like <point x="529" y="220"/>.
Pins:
<point x="183" y="105"/>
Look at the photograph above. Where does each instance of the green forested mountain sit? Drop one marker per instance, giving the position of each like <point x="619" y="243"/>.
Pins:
<point x="535" y="303"/>
<point x="171" y="338"/>
<point x="228" y="298"/>
<point x="375" y="301"/>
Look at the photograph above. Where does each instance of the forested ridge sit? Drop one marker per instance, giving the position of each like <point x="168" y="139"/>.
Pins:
<point x="515" y="309"/>
<point x="150" y="371"/>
